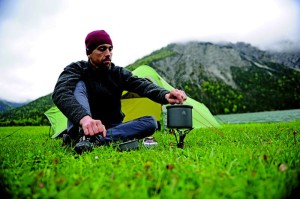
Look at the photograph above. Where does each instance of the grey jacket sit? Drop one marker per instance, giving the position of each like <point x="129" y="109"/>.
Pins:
<point x="105" y="89"/>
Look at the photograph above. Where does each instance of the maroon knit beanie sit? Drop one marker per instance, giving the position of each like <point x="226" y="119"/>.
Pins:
<point x="96" y="38"/>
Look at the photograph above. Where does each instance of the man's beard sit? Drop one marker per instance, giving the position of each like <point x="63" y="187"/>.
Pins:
<point x="105" y="64"/>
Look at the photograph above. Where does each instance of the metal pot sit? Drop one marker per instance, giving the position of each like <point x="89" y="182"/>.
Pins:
<point x="179" y="116"/>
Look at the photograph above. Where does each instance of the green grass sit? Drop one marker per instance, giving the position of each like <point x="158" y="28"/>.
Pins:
<point x="249" y="161"/>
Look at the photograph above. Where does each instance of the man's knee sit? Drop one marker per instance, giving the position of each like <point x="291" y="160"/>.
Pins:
<point x="151" y="123"/>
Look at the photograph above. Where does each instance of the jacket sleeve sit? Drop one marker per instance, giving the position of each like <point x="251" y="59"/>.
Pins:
<point x="144" y="87"/>
<point x="63" y="96"/>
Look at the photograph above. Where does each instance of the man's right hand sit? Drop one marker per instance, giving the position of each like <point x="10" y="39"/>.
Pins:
<point x="92" y="127"/>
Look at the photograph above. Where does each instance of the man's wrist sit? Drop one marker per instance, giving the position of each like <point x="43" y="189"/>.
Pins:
<point x="84" y="118"/>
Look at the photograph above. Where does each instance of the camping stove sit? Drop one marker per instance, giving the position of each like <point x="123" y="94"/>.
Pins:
<point x="180" y="122"/>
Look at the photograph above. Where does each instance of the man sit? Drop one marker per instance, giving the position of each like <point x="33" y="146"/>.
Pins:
<point x="89" y="94"/>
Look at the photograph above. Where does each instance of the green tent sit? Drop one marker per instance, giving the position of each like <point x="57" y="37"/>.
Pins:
<point x="135" y="106"/>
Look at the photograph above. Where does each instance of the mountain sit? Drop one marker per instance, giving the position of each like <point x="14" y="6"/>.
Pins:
<point x="290" y="57"/>
<point x="230" y="78"/>
<point x="6" y="105"/>
<point x="29" y="114"/>
<point x="226" y="77"/>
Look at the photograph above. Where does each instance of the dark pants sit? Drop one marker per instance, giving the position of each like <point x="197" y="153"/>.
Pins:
<point x="138" y="128"/>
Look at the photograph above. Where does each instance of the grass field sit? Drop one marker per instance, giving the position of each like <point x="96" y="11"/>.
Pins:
<point x="248" y="161"/>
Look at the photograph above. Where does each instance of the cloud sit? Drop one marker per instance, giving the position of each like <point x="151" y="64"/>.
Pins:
<point x="39" y="38"/>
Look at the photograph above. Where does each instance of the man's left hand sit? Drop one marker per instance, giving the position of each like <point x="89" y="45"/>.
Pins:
<point x="176" y="96"/>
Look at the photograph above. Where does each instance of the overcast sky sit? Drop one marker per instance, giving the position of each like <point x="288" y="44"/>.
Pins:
<point x="40" y="37"/>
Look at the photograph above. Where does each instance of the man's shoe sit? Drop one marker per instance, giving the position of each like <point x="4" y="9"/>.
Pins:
<point x="98" y="140"/>
<point x="84" y="145"/>
<point x="66" y="140"/>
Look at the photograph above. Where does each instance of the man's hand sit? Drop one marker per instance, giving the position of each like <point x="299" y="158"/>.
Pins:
<point x="176" y="96"/>
<point x="92" y="127"/>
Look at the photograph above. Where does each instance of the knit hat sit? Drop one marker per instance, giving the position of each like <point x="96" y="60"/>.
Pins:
<point x="96" y="38"/>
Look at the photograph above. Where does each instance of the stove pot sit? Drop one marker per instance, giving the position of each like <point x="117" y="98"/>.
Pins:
<point x="179" y="116"/>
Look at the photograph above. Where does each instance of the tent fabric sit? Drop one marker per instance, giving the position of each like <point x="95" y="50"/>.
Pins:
<point x="57" y="120"/>
<point x="135" y="106"/>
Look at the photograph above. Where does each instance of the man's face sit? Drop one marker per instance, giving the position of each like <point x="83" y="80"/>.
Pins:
<point x="101" y="56"/>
